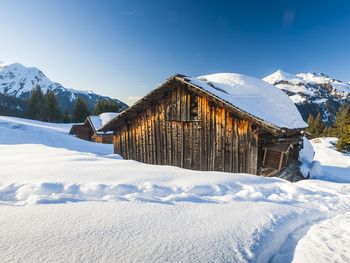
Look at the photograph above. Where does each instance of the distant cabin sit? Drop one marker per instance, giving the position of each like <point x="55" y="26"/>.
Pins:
<point x="89" y="129"/>
<point x="221" y="122"/>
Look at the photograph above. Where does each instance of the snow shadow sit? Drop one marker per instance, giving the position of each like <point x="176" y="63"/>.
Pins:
<point x="53" y="192"/>
<point x="342" y="174"/>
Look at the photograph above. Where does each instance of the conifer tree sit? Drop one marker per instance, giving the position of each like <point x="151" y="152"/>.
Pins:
<point x="98" y="108"/>
<point x="310" y="122"/>
<point x="80" y="111"/>
<point x="320" y="126"/>
<point x="35" y="104"/>
<point x="66" y="117"/>
<point x="50" y="110"/>
<point x="316" y="125"/>
<point x="342" y="128"/>
<point x="106" y="106"/>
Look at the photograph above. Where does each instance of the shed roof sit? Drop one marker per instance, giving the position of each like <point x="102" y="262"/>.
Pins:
<point x="250" y="97"/>
<point x="73" y="129"/>
<point x="98" y="121"/>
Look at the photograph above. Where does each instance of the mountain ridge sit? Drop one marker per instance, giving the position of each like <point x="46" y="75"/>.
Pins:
<point x="312" y="93"/>
<point x="18" y="80"/>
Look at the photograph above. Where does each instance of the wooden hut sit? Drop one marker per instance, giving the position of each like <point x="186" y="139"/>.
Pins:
<point x="221" y="122"/>
<point x="82" y="130"/>
<point x="89" y="129"/>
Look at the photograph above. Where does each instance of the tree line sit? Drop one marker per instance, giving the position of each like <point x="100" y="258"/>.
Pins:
<point x="339" y="129"/>
<point x="44" y="107"/>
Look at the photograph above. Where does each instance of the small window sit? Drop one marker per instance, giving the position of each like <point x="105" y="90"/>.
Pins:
<point x="184" y="110"/>
<point x="171" y="112"/>
<point x="193" y="108"/>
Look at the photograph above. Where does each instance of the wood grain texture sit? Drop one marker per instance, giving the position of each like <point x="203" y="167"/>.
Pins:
<point x="188" y="130"/>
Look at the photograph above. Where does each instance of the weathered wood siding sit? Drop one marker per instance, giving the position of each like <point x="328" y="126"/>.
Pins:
<point x="83" y="133"/>
<point x="186" y="130"/>
<point x="105" y="138"/>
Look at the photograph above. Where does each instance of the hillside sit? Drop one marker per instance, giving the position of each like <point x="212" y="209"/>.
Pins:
<point x="18" y="81"/>
<point x="312" y="92"/>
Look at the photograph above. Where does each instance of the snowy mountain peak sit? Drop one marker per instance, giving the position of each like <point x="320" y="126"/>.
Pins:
<point x="312" y="92"/>
<point x="19" y="80"/>
<point x="281" y="75"/>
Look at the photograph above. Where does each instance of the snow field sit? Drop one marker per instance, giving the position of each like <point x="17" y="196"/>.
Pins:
<point x="139" y="232"/>
<point x="67" y="200"/>
<point x="326" y="242"/>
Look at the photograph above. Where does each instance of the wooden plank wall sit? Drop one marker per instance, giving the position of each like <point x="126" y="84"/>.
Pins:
<point x="166" y="134"/>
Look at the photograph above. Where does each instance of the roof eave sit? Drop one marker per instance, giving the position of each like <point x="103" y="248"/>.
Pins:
<point x="109" y="125"/>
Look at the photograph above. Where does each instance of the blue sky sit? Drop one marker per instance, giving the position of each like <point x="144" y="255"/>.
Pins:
<point x="126" y="48"/>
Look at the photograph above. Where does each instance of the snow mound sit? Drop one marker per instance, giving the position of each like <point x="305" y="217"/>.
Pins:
<point x="253" y="96"/>
<point x="309" y="168"/>
<point x="307" y="153"/>
<point x="193" y="189"/>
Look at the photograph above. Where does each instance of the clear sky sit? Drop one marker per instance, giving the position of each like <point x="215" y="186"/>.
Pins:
<point x="126" y="48"/>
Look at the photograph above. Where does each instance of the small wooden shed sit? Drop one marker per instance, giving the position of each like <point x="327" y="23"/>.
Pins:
<point x="89" y="129"/>
<point x="221" y="122"/>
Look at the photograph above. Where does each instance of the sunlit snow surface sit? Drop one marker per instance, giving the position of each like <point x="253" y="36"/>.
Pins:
<point x="63" y="199"/>
<point x="326" y="242"/>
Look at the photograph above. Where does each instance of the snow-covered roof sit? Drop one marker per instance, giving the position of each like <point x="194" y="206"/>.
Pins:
<point x="253" y="96"/>
<point x="99" y="121"/>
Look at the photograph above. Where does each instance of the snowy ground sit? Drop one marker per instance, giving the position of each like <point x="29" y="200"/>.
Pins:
<point x="326" y="242"/>
<point x="335" y="165"/>
<point x="67" y="200"/>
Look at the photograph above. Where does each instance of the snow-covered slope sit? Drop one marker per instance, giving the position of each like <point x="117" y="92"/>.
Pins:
<point x="63" y="199"/>
<point x="312" y="92"/>
<point x="18" y="80"/>
<point x="253" y="96"/>
<point x="335" y="165"/>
